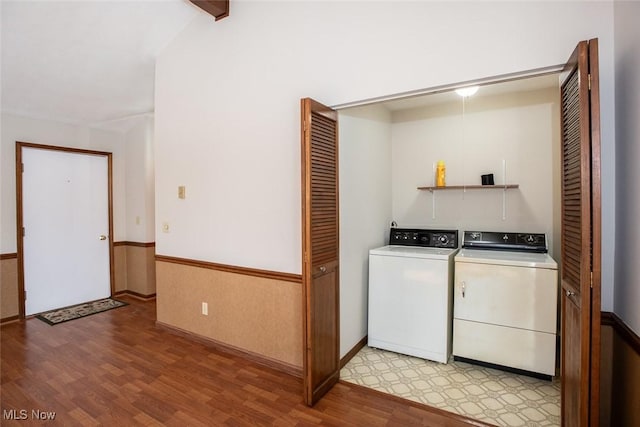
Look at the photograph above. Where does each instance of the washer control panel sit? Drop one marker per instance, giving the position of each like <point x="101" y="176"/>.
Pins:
<point x="422" y="237"/>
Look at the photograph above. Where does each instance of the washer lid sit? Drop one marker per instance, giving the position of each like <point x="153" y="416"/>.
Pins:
<point x="413" y="252"/>
<point x="516" y="259"/>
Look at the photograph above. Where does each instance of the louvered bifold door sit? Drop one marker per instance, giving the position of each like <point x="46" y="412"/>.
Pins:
<point x="580" y="237"/>
<point x="320" y="249"/>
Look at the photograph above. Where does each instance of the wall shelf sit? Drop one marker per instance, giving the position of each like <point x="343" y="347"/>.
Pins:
<point x="471" y="187"/>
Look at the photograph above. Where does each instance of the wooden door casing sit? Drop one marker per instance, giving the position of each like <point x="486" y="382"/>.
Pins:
<point x="320" y="248"/>
<point x="581" y="250"/>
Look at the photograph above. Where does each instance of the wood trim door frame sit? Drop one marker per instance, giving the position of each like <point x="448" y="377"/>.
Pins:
<point x="19" y="211"/>
<point x="596" y="231"/>
<point x="595" y="301"/>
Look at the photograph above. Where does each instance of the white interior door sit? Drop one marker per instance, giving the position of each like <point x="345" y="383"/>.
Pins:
<point x="65" y="208"/>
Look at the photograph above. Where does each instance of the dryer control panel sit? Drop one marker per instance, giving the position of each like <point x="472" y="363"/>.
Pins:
<point x="529" y="242"/>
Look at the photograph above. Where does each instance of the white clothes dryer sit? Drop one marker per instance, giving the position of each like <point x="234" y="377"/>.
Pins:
<point x="505" y="302"/>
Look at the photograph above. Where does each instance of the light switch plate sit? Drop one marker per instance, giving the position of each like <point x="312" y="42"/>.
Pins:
<point x="181" y="192"/>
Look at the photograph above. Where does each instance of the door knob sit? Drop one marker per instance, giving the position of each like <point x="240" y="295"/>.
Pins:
<point x="464" y="288"/>
<point x="323" y="269"/>
<point x="102" y="237"/>
<point x="570" y="293"/>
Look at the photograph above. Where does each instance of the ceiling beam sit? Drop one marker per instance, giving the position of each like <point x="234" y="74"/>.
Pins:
<point x="218" y="8"/>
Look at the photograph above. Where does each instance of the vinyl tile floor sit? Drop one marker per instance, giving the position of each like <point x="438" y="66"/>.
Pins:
<point x="485" y="394"/>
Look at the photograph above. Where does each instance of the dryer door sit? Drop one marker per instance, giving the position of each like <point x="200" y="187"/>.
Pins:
<point x="519" y="297"/>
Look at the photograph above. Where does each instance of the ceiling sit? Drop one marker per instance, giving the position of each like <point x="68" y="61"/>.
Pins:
<point x="92" y="62"/>
<point x="527" y="84"/>
<point x="85" y="62"/>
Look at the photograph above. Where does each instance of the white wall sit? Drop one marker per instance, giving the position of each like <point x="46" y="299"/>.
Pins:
<point x="627" y="57"/>
<point x="227" y="103"/>
<point x="18" y="128"/>
<point x="521" y="129"/>
<point x="132" y="148"/>
<point x="140" y="179"/>
<point x="365" y="210"/>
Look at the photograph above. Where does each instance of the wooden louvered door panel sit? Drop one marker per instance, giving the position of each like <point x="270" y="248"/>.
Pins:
<point x="581" y="235"/>
<point x="320" y="270"/>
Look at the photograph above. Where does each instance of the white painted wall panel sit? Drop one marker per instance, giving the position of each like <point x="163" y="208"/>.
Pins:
<point x="521" y="129"/>
<point x="365" y="210"/>
<point x="627" y="248"/>
<point x="19" y="128"/>
<point x="140" y="206"/>
<point x="227" y="102"/>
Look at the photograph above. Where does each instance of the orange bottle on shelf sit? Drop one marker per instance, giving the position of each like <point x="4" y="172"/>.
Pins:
<point x="440" y="174"/>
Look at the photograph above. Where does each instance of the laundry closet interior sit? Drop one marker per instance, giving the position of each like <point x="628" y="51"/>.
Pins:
<point x="389" y="153"/>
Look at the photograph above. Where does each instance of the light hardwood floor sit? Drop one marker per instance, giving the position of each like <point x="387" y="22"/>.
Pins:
<point x="118" y="369"/>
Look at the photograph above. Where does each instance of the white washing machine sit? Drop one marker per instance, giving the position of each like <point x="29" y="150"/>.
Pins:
<point x="411" y="291"/>
<point x="505" y="302"/>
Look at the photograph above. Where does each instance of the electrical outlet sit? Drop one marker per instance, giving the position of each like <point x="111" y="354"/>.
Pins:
<point x="205" y="308"/>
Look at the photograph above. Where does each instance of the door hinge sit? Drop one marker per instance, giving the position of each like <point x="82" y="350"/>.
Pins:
<point x="25" y="295"/>
<point x="24" y="232"/>
<point x="591" y="280"/>
<point x="589" y="75"/>
<point x="22" y="167"/>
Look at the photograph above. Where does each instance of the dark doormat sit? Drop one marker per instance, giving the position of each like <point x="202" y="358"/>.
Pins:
<point x="65" y="314"/>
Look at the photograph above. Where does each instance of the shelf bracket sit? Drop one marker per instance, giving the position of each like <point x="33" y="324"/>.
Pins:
<point x="504" y="203"/>
<point x="433" y="203"/>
